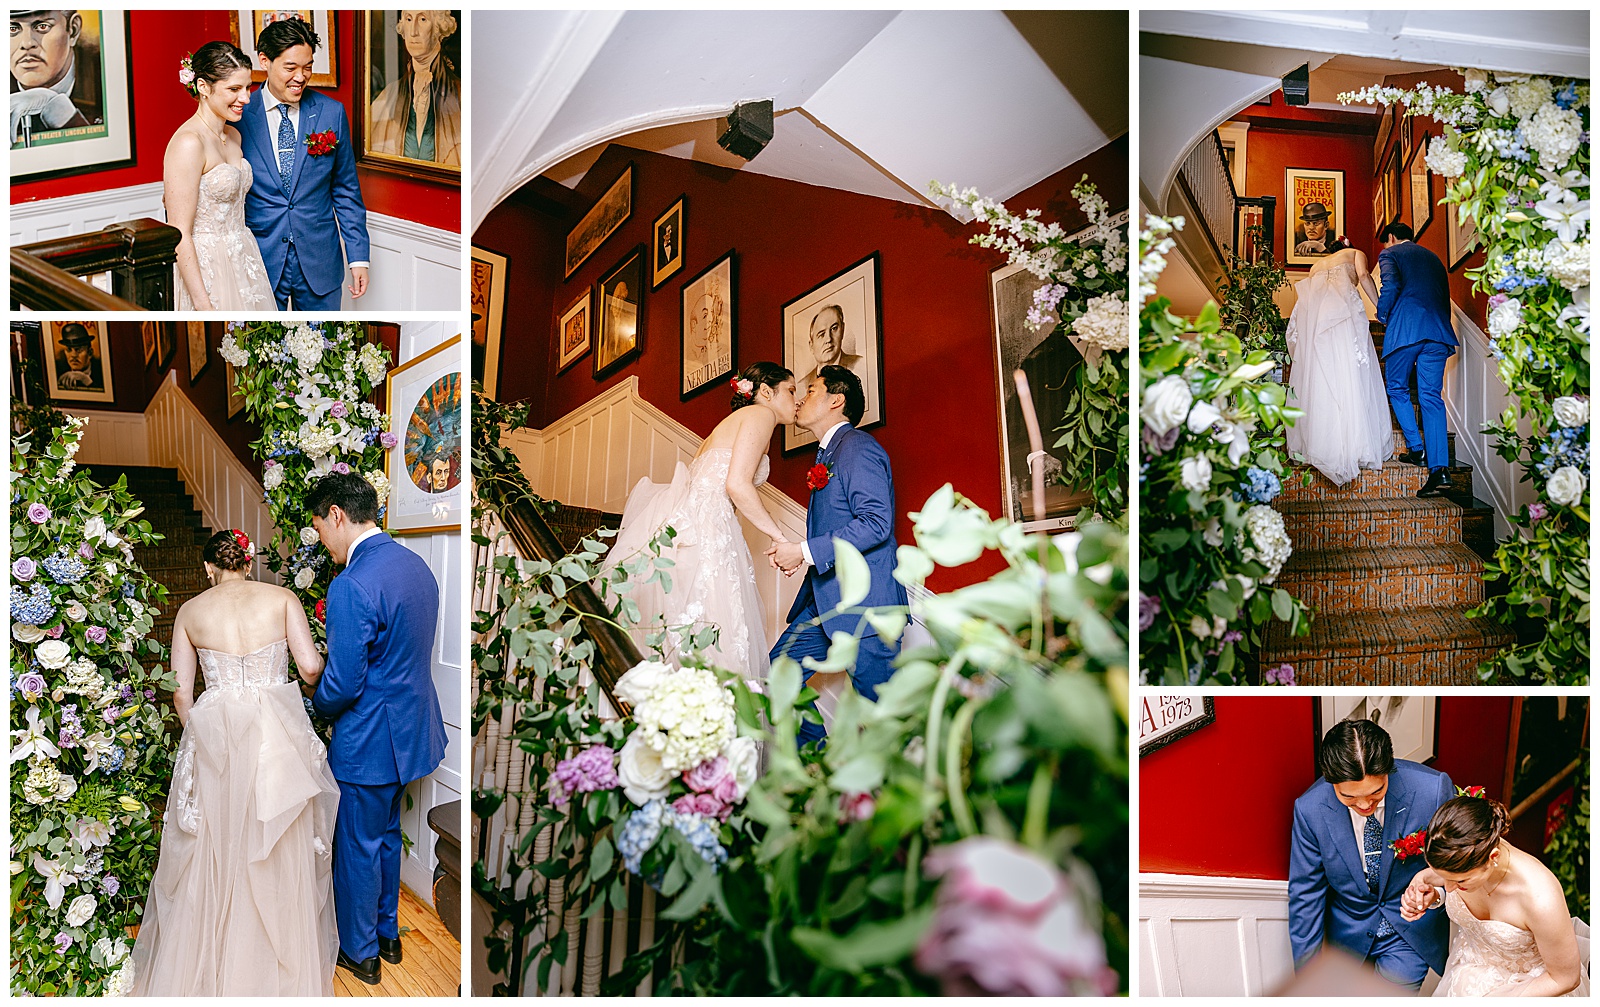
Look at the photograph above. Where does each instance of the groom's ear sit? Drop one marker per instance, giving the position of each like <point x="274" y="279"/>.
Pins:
<point x="261" y="58"/>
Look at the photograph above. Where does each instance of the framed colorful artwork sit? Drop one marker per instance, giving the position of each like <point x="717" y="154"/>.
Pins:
<point x="199" y="350"/>
<point x="78" y="362"/>
<point x="1314" y="217"/>
<point x="71" y="93"/>
<point x="247" y="26"/>
<point x="572" y="331"/>
<point x="407" y="121"/>
<point x="425" y="465"/>
<point x="488" y="287"/>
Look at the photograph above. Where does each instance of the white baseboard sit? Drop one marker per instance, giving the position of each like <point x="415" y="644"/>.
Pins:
<point x="1212" y="936"/>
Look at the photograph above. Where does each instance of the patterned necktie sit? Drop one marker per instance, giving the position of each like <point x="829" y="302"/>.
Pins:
<point x="285" y="146"/>
<point x="1371" y="859"/>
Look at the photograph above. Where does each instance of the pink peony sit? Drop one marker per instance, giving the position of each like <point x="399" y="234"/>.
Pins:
<point x="705" y="777"/>
<point x="700" y="804"/>
<point x="857" y="807"/>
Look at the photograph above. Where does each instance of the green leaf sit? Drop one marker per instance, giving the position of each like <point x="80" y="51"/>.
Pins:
<point x="841" y="654"/>
<point x="855" y="580"/>
<point x="867" y="946"/>
<point x="1282" y="604"/>
<point x="887" y="624"/>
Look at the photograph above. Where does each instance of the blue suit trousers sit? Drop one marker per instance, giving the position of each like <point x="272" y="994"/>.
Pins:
<point x="1427" y="358"/>
<point x="1397" y="963"/>
<point x="804" y="638"/>
<point x="292" y="285"/>
<point x="366" y="866"/>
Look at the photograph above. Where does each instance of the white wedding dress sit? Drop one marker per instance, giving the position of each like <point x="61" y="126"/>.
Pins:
<point x="231" y="266"/>
<point x="1335" y="379"/>
<point x="242" y="899"/>
<point x="1493" y="958"/>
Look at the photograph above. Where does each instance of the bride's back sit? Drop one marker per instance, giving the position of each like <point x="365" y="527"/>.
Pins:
<point x="237" y="617"/>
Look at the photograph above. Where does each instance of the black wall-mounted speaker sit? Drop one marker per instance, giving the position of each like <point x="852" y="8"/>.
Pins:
<point x="749" y="129"/>
<point x="1297" y="86"/>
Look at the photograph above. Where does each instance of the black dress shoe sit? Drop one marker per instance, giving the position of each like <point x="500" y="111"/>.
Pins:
<point x="389" y="949"/>
<point x="1413" y="457"/>
<point x="1437" y="485"/>
<point x="369" y="971"/>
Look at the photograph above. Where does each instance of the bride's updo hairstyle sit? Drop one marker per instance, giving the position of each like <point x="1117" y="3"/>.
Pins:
<point x="762" y="372"/>
<point x="210" y="63"/>
<point x="1463" y="832"/>
<point x="224" y="552"/>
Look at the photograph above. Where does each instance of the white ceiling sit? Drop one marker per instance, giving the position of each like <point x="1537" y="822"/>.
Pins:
<point x="879" y="103"/>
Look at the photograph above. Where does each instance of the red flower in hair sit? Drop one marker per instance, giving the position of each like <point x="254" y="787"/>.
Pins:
<point x="818" y="476"/>
<point x="1409" y="846"/>
<point x="1473" y="791"/>
<point x="243" y="540"/>
<point x="321" y="610"/>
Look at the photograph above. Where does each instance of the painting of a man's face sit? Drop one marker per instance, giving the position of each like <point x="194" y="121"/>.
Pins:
<point x="440" y="472"/>
<point x="827" y="335"/>
<point x="420" y="32"/>
<point x="1315" y="229"/>
<point x="41" y="46"/>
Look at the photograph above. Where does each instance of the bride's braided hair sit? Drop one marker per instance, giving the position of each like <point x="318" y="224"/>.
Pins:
<point x="225" y="551"/>
<point x="1464" y="831"/>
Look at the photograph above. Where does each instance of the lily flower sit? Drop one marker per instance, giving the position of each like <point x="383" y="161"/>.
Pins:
<point x="1568" y="216"/>
<point x="57" y="876"/>
<point x="32" y="740"/>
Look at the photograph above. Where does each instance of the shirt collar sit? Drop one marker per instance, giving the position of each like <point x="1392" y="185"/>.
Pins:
<point x="1359" y="819"/>
<point x="827" y="438"/>
<point x="67" y="83"/>
<point x="374" y="530"/>
<point x="269" y="101"/>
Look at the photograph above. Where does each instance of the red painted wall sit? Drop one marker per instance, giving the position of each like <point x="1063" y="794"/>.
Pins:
<point x="941" y="414"/>
<point x="159" y="39"/>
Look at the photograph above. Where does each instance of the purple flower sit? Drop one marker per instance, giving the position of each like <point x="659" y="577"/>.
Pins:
<point x="1497" y="300"/>
<point x="86" y="551"/>
<point x="705" y="777"/>
<point x="96" y="634"/>
<point x="592" y="769"/>
<point x="24" y="569"/>
<point x="54" y="632"/>
<point x="31" y="685"/>
<point x="339" y="411"/>
<point x="1537" y="511"/>
<point x="388" y="440"/>
<point x="63" y="942"/>
<point x="341" y="468"/>
<point x="110" y="885"/>
<point x="149" y="694"/>
<point x="1283" y="674"/>
<point x="1232" y="636"/>
<point x="38" y="513"/>
<point x="1149" y="608"/>
<point x="1160" y="444"/>
<point x="700" y="804"/>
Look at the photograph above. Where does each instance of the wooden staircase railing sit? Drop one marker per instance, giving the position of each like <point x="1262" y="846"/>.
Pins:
<point x="138" y="254"/>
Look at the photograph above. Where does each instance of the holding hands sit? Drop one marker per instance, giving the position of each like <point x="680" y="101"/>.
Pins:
<point x="1419" y="897"/>
<point x="786" y="556"/>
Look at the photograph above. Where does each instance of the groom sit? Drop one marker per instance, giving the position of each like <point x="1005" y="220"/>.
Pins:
<point x="299" y="194"/>
<point x="1414" y="307"/>
<point x="378" y="691"/>
<point x="852" y="498"/>
<point x="1345" y="878"/>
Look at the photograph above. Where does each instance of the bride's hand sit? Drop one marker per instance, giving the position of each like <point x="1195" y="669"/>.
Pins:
<point x="1416" y="900"/>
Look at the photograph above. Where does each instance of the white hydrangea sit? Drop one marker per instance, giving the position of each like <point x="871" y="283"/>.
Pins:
<point x="1505" y="318"/>
<point x="272" y="476"/>
<point x="380" y="484"/>
<point x="1571" y="411"/>
<point x="1554" y="134"/>
<point x="316" y="441"/>
<point x="1526" y="97"/>
<point x="304" y="344"/>
<point x="232" y="352"/>
<point x="121" y="982"/>
<point x="1104" y="323"/>
<point x="1444" y="159"/>
<point x="1477" y="80"/>
<point x="84" y="679"/>
<point x="303" y="579"/>
<point x="1196" y="473"/>
<point x="1269" y="541"/>
<point x="43" y="778"/>
<point x="1567" y="263"/>
<point x="308" y="536"/>
<point x="1566" y="486"/>
<point x="687" y="718"/>
<point x="373" y="362"/>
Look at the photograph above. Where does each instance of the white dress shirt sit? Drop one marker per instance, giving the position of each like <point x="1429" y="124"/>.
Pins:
<point x="822" y="445"/>
<point x="369" y="533"/>
<point x="269" y="104"/>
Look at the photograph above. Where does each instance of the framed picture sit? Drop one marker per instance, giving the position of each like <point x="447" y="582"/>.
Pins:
<point x="710" y="326"/>
<point x="1393" y="181"/>
<point x="1421" y="180"/>
<point x="837" y="322"/>
<point x="1379" y="210"/>
<point x="92" y="130"/>
<point x="1405" y="134"/>
<point x="199" y="355"/>
<point x="1315" y="218"/>
<point x="666" y="245"/>
<point x="27" y="347"/>
<point x="149" y="333"/>
<point x="1463" y="235"/>
<point x="235" y="400"/>
<point x="1380" y="143"/>
<point x="247" y="26"/>
<point x="1164" y="717"/>
<point x="602" y="221"/>
<point x="400" y="127"/>
<point x="619" y="301"/>
<point x="1412" y="721"/>
<point x="488" y="282"/>
<point x="166" y="343"/>
<point x="572" y="331"/>
<point x="78" y="362"/>
<point x="425" y="466"/>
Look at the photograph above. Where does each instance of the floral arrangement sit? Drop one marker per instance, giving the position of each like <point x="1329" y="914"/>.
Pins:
<point x="818" y="476"/>
<point x="321" y="143"/>
<point x="1211" y="464"/>
<point x="1515" y="152"/>
<point x="1084" y="298"/>
<point x="1248" y="308"/>
<point x="186" y="75"/>
<point x="1410" y="846"/>
<point x="90" y="751"/>
<point x="743" y="387"/>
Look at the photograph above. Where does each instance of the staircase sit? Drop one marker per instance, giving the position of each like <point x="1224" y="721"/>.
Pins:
<point x="1389" y="577"/>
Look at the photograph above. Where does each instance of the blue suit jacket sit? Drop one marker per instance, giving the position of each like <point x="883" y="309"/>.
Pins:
<point x="1328" y="894"/>
<point x="378" y="685"/>
<point x="857" y="505"/>
<point x="322" y="203"/>
<point x="1414" y="303"/>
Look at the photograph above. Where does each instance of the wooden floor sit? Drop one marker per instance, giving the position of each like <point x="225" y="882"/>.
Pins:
<point x="430" y="963"/>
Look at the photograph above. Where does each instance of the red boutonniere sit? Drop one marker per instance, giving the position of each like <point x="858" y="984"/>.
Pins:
<point x="1471" y="792"/>
<point x="322" y="610"/>
<point x="320" y="144"/>
<point x="1409" y="846"/>
<point x="818" y="476"/>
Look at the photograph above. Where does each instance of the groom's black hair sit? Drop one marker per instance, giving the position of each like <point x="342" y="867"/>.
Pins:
<point x="843" y="381"/>
<point x="1353" y="750"/>
<point x="1397" y="230"/>
<point x="279" y="37"/>
<point x="349" y="492"/>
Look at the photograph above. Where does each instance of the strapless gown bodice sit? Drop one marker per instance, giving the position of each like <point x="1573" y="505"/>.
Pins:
<point x="265" y="666"/>
<point x="1493" y="957"/>
<point x="231" y="267"/>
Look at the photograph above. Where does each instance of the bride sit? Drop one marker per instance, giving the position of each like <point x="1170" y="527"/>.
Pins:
<point x="1512" y="934"/>
<point x="1334" y="377"/>
<point x="242" y="899"/>
<point x="205" y="179"/>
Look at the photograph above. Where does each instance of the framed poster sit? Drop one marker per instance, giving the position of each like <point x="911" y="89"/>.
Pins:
<point x="1380" y="143"/>
<point x="837" y="322"/>
<point x="619" y="301"/>
<point x="1412" y="721"/>
<point x="402" y="126"/>
<point x="247" y="26"/>
<point x="1379" y="210"/>
<point x="604" y="217"/>
<point x="1463" y="236"/>
<point x="235" y="400"/>
<point x="86" y="127"/>
<point x="709" y="333"/>
<point x="1315" y="217"/>
<point x="1421" y="180"/>
<point x="1392" y="180"/>
<point x="149" y="334"/>
<point x="166" y="343"/>
<point x="425" y="465"/>
<point x="199" y="356"/>
<point x="666" y="245"/>
<point x="1405" y="134"/>
<point x="27" y="347"/>
<point x="488" y="285"/>
<point x="572" y="331"/>
<point x="78" y="362"/>
<point x="1164" y="717"/>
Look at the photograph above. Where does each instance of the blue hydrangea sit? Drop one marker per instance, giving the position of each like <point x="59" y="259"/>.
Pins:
<point x="127" y="589"/>
<point x="702" y="836"/>
<point x="1567" y="96"/>
<point x="64" y="569"/>
<point x="639" y="832"/>
<point x="115" y="759"/>
<point x="32" y="607"/>
<point x="1260" y="487"/>
<point x="1565" y="446"/>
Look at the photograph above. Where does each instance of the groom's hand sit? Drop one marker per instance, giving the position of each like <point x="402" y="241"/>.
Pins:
<point x="786" y="556"/>
<point x="1416" y="900"/>
<point x="358" y="280"/>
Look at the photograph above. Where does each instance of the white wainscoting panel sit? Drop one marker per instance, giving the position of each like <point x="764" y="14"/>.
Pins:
<point x="1204" y="936"/>
<point x="1475" y="395"/>
<point x="64" y="216"/>
<point x="113" y="438"/>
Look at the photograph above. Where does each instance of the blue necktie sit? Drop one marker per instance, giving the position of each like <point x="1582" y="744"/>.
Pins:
<point x="285" y="147"/>
<point x="1371" y="858"/>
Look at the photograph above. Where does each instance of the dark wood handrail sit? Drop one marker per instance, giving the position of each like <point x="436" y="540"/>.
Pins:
<point x="38" y="285"/>
<point x="139" y="255"/>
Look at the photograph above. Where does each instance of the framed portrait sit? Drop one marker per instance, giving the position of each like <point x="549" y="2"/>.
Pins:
<point x="666" y="243"/>
<point x="572" y="331"/>
<point x="709" y="333"/>
<point x="247" y="26"/>
<point x="199" y="352"/>
<point x="425" y="466"/>
<point x="1379" y="210"/>
<point x="1164" y="717"/>
<point x="27" y="348"/>
<point x="78" y="362"/>
<point x="1380" y="143"/>
<point x="149" y="334"/>
<point x="1421" y="181"/>
<point x="1463" y="235"/>
<point x="166" y="343"/>
<point x="604" y="217"/>
<point x="87" y="127"/>
<point x="488" y="285"/>
<point x="401" y="127"/>
<point x="1314" y="223"/>
<point x="619" y="303"/>
<point x="1405" y="134"/>
<point x="1393" y="179"/>
<point x="1412" y="721"/>
<point x="837" y="322"/>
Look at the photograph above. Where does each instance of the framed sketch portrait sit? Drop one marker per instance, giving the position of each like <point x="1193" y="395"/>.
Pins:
<point x="149" y="335"/>
<point x="247" y="26"/>
<point x="1412" y="721"/>
<point x="601" y="222"/>
<point x="837" y="322"/>
<point x="1379" y="210"/>
<point x="572" y="331"/>
<point x="666" y="243"/>
<point x="709" y="334"/>
<point x="1421" y="181"/>
<point x="1463" y="235"/>
<point x="408" y="95"/>
<point x="71" y="93"/>
<point x="1314" y="223"/>
<point x="619" y="303"/>
<point x="488" y="287"/>
<point x="425" y="465"/>
<point x="78" y="362"/>
<point x="199" y="351"/>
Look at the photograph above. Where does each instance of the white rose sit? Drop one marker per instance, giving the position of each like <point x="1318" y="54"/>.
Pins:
<point x="94" y="528"/>
<point x="272" y="478"/>
<point x="1199" y="627"/>
<point x="53" y="654"/>
<point x="76" y="612"/>
<point x="23" y="633"/>
<point x="1565" y="487"/>
<point x="1166" y="404"/>
<point x="1196" y="473"/>
<point x="303" y="579"/>
<point x="1499" y="101"/>
<point x="1202" y="416"/>
<point x="1213" y="533"/>
<point x="308" y="536"/>
<point x="80" y="910"/>
<point x="1571" y="411"/>
<point x="635" y="686"/>
<point x="639" y="768"/>
<point x="1477" y="80"/>
<point x="745" y="760"/>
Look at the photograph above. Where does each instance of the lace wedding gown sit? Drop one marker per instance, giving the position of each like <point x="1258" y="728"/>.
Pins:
<point x="230" y="260"/>
<point x="242" y="899"/>
<point x="1493" y="958"/>
<point x="1335" y="379"/>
